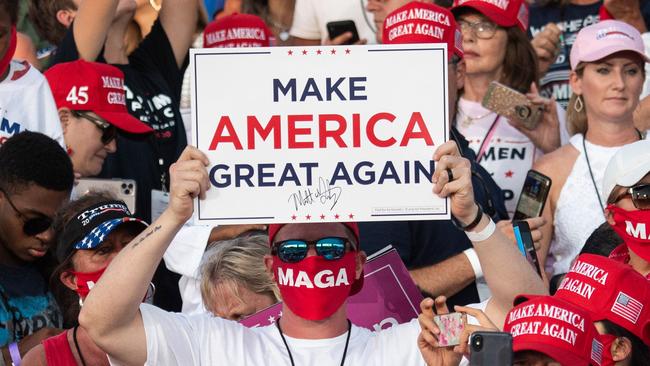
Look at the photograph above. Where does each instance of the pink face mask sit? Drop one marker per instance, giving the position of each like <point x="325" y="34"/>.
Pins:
<point x="6" y="59"/>
<point x="86" y="281"/>
<point x="314" y="288"/>
<point x="634" y="228"/>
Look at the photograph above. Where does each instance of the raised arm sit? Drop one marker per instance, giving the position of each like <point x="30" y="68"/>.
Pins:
<point x="506" y="271"/>
<point x="111" y="311"/>
<point x="91" y="26"/>
<point x="445" y="278"/>
<point x="178" y="18"/>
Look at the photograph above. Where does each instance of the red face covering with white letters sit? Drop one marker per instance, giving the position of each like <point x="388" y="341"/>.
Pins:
<point x="315" y="288"/>
<point x="633" y="227"/>
<point x="86" y="281"/>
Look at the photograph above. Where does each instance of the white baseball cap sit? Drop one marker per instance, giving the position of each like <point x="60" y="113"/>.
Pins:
<point x="630" y="163"/>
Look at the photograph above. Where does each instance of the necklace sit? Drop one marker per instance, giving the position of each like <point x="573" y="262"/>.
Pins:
<point x="468" y="120"/>
<point x="345" y="351"/>
<point x="76" y="344"/>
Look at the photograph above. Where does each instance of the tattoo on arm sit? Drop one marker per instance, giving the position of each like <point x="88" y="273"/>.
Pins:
<point x="145" y="236"/>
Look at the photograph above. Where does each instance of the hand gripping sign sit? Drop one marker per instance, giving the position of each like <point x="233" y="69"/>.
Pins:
<point x="320" y="134"/>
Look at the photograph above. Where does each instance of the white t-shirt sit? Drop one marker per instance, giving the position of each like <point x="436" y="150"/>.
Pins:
<point x="179" y="339"/>
<point x="509" y="154"/>
<point x="310" y="18"/>
<point x="26" y="103"/>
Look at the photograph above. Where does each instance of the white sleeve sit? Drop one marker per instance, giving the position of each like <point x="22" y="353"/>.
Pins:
<point x="402" y="337"/>
<point x="646" y="85"/>
<point x="171" y="339"/>
<point x="190" y="289"/>
<point x="186" y="250"/>
<point x="51" y="125"/>
<point x="305" y="21"/>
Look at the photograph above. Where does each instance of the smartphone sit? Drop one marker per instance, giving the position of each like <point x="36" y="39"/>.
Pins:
<point x="335" y="29"/>
<point x="512" y="104"/>
<point x="526" y="244"/>
<point x="451" y="327"/>
<point x="122" y="189"/>
<point x="490" y="348"/>
<point x="533" y="195"/>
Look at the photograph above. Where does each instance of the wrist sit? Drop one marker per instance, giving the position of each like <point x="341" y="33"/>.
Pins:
<point x="481" y="232"/>
<point x="464" y="222"/>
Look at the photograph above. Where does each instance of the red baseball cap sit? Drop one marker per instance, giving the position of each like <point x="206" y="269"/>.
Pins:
<point x="237" y="30"/>
<point x="609" y="290"/>
<point x="506" y="13"/>
<point x="553" y="327"/>
<point x="418" y="22"/>
<point x="358" y="284"/>
<point x="90" y="86"/>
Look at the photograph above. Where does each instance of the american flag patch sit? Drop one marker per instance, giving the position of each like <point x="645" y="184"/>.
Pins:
<point x="597" y="352"/>
<point x="627" y="307"/>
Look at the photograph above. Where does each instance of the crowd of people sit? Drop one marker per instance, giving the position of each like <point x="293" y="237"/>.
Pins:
<point x="100" y="89"/>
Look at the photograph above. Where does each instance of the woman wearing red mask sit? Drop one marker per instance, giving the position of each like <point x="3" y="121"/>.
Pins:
<point x="90" y="232"/>
<point x="626" y="185"/>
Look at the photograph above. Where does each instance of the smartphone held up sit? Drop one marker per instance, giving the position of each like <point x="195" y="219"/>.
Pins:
<point x="512" y="104"/>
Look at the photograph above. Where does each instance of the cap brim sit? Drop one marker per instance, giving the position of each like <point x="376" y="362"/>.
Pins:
<point x="607" y="51"/>
<point x="125" y="122"/>
<point x="97" y="235"/>
<point x="487" y="10"/>
<point x="563" y="356"/>
<point x="634" y="177"/>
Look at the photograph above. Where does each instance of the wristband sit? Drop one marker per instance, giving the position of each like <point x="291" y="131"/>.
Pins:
<point x="15" y="354"/>
<point x="483" y="234"/>
<point x="474" y="262"/>
<point x="471" y="225"/>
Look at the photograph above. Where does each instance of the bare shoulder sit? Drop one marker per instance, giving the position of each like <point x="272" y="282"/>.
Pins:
<point x="557" y="163"/>
<point x="35" y="357"/>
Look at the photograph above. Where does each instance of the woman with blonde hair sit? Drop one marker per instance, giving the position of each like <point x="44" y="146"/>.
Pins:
<point x="607" y="62"/>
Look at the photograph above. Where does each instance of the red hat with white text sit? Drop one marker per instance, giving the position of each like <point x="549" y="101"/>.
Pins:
<point x="553" y="327"/>
<point x="506" y="13"/>
<point x="609" y="290"/>
<point x="418" y="22"/>
<point x="237" y="30"/>
<point x="91" y="86"/>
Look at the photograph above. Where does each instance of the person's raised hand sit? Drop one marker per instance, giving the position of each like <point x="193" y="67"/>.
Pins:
<point x="535" y="224"/>
<point x="547" y="46"/>
<point x="188" y="180"/>
<point x="449" y="164"/>
<point x="432" y="354"/>
<point x="546" y="135"/>
<point x="628" y="11"/>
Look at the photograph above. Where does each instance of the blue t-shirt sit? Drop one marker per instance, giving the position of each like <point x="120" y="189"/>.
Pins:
<point x="26" y="304"/>
<point x="570" y="19"/>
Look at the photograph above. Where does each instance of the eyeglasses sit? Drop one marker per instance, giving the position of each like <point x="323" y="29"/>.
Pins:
<point x="31" y="226"/>
<point x="294" y="250"/>
<point x="483" y="29"/>
<point x="109" y="132"/>
<point x="640" y="196"/>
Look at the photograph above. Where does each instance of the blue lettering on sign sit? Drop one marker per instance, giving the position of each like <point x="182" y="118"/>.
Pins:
<point x="8" y="127"/>
<point x="330" y="89"/>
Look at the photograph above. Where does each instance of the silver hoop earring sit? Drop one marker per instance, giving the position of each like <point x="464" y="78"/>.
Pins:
<point x="578" y="106"/>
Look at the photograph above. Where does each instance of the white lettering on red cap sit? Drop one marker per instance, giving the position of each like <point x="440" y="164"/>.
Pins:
<point x="612" y="32"/>
<point x="322" y="279"/>
<point x="246" y="33"/>
<point x="548" y="311"/>
<point x="636" y="230"/>
<point x="502" y="4"/>
<point x="589" y="270"/>
<point x="116" y="98"/>
<point x="418" y="14"/>
<point x="559" y="332"/>
<point x="578" y="287"/>
<point x="112" y="82"/>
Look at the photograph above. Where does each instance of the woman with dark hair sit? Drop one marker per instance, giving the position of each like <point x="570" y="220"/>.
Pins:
<point x="90" y="232"/>
<point x="608" y="61"/>
<point x="497" y="49"/>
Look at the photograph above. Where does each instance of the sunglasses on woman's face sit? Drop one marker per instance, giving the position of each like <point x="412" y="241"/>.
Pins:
<point x="294" y="250"/>
<point x="109" y="132"/>
<point x="33" y="226"/>
<point x="640" y="195"/>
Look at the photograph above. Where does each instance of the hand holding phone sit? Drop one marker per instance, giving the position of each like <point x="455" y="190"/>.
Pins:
<point x="512" y="104"/>
<point x="122" y="189"/>
<point x="451" y="328"/>
<point x="526" y="244"/>
<point x="533" y="196"/>
<point x="338" y="28"/>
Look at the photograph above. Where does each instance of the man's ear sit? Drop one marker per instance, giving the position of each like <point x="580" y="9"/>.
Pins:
<point x="621" y="349"/>
<point x="361" y="260"/>
<point x="65" y="17"/>
<point x="268" y="262"/>
<point x="69" y="280"/>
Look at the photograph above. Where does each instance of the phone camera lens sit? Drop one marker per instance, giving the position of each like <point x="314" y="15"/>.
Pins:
<point x="123" y="185"/>
<point x="130" y="186"/>
<point x="127" y="191"/>
<point x="523" y="111"/>
<point x="477" y="343"/>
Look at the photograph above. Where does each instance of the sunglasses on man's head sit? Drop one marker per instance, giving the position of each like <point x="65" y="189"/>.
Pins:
<point x="109" y="132"/>
<point x="294" y="250"/>
<point x="31" y="226"/>
<point x="640" y="195"/>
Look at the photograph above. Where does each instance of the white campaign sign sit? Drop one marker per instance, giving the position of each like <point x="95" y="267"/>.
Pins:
<point x="320" y="134"/>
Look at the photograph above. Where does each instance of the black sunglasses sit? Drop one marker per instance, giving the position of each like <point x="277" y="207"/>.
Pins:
<point x="294" y="250"/>
<point x="109" y="132"/>
<point x="31" y="226"/>
<point x="640" y="196"/>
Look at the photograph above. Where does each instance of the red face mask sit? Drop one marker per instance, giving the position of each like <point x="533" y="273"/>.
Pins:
<point x="86" y="281"/>
<point x="6" y="59"/>
<point x="601" y="350"/>
<point x="634" y="228"/>
<point x="315" y="288"/>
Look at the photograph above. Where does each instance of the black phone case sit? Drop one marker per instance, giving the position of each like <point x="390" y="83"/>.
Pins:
<point x="496" y="349"/>
<point x="335" y="29"/>
<point x="537" y="176"/>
